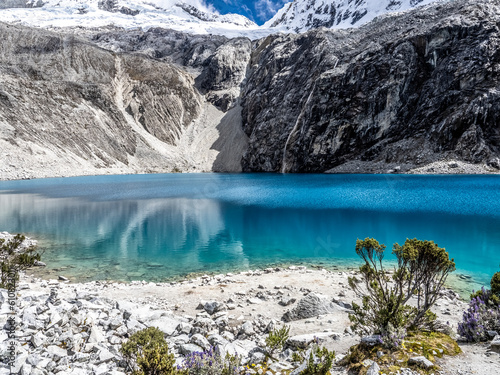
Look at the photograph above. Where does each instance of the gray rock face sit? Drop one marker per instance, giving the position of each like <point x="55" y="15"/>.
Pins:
<point x="399" y="93"/>
<point x="407" y="89"/>
<point x="69" y="97"/>
<point x="68" y="105"/>
<point x="223" y="62"/>
<point x="224" y="71"/>
<point x="212" y="307"/>
<point x="311" y="305"/>
<point x="163" y="44"/>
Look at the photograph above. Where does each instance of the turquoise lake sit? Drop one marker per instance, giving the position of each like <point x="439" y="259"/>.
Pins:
<point x="159" y="227"/>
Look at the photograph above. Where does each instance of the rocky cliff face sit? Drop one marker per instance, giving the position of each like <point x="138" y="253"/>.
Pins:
<point x="401" y="93"/>
<point x="406" y="91"/>
<point x="69" y="107"/>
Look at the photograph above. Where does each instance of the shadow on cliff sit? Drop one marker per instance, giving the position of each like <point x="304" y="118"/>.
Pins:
<point x="232" y="142"/>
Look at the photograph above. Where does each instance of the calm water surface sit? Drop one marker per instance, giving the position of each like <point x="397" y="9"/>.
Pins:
<point x="155" y="227"/>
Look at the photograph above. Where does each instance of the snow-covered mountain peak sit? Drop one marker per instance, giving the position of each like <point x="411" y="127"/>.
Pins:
<point x="302" y="15"/>
<point x="195" y="17"/>
<point x="192" y="16"/>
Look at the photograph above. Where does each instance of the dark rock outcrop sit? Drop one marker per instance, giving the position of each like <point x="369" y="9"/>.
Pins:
<point x="224" y="71"/>
<point x="407" y="89"/>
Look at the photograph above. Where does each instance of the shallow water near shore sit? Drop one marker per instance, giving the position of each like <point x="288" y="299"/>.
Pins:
<point x="158" y="227"/>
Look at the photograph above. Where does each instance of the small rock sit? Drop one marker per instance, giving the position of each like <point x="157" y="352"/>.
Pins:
<point x="254" y="301"/>
<point x="200" y="341"/>
<point x="373" y="369"/>
<point x="420" y="361"/>
<point x="127" y="315"/>
<point x="492" y="334"/>
<point x="285" y="301"/>
<point x="96" y="335"/>
<point x="213" y="307"/>
<point x="188" y="349"/>
<point x="495" y="344"/>
<point x="310" y="306"/>
<point x="247" y="329"/>
<point x="371" y="340"/>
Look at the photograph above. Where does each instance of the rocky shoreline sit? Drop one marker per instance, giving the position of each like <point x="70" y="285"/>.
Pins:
<point x="78" y="328"/>
<point x="353" y="167"/>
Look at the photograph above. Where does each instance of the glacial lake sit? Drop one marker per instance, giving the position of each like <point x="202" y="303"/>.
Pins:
<point x="166" y="226"/>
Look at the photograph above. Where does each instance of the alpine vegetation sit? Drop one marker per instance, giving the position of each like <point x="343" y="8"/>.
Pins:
<point x="420" y="274"/>
<point x="481" y="321"/>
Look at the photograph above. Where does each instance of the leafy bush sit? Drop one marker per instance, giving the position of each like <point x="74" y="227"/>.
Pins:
<point x="495" y="284"/>
<point x="422" y="269"/>
<point x="492" y="298"/>
<point x="211" y="362"/>
<point x="146" y="353"/>
<point x="277" y="339"/>
<point x="13" y="259"/>
<point x="319" y="362"/>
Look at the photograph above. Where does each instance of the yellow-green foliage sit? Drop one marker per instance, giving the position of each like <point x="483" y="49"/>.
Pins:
<point x="422" y="269"/>
<point x="13" y="260"/>
<point x="147" y="353"/>
<point x="495" y="284"/>
<point x="427" y="344"/>
<point x="319" y="362"/>
<point x="277" y="338"/>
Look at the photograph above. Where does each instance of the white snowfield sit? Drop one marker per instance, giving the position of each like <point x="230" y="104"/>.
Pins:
<point x="302" y="15"/>
<point x="143" y="14"/>
<point x="196" y="18"/>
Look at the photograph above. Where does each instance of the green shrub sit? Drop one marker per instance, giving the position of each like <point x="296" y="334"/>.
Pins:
<point x="146" y="353"/>
<point x="495" y="284"/>
<point x="421" y="271"/>
<point x="319" y="362"/>
<point x="14" y="259"/>
<point x="491" y="297"/>
<point x="277" y="339"/>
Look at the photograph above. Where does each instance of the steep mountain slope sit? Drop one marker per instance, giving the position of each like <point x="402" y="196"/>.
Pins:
<point x="302" y="15"/>
<point x="127" y="14"/>
<point x="69" y="107"/>
<point x="402" y="91"/>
